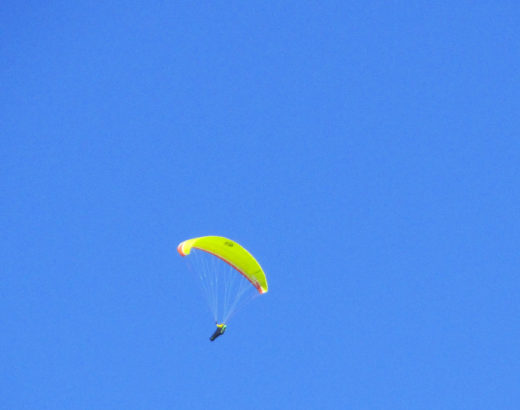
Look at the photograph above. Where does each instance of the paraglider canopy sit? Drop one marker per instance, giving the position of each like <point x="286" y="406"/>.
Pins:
<point x="231" y="253"/>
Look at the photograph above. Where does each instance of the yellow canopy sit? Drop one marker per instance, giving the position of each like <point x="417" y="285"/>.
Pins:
<point x="230" y="252"/>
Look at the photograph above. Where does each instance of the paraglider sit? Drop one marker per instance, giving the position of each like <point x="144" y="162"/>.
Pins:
<point x="229" y="274"/>
<point x="221" y="328"/>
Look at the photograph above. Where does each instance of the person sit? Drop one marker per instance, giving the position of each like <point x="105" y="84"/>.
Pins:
<point x="221" y="328"/>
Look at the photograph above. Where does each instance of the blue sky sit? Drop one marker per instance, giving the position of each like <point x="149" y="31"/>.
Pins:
<point x="366" y="153"/>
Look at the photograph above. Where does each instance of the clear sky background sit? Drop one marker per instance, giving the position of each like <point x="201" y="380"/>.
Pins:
<point x="367" y="153"/>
